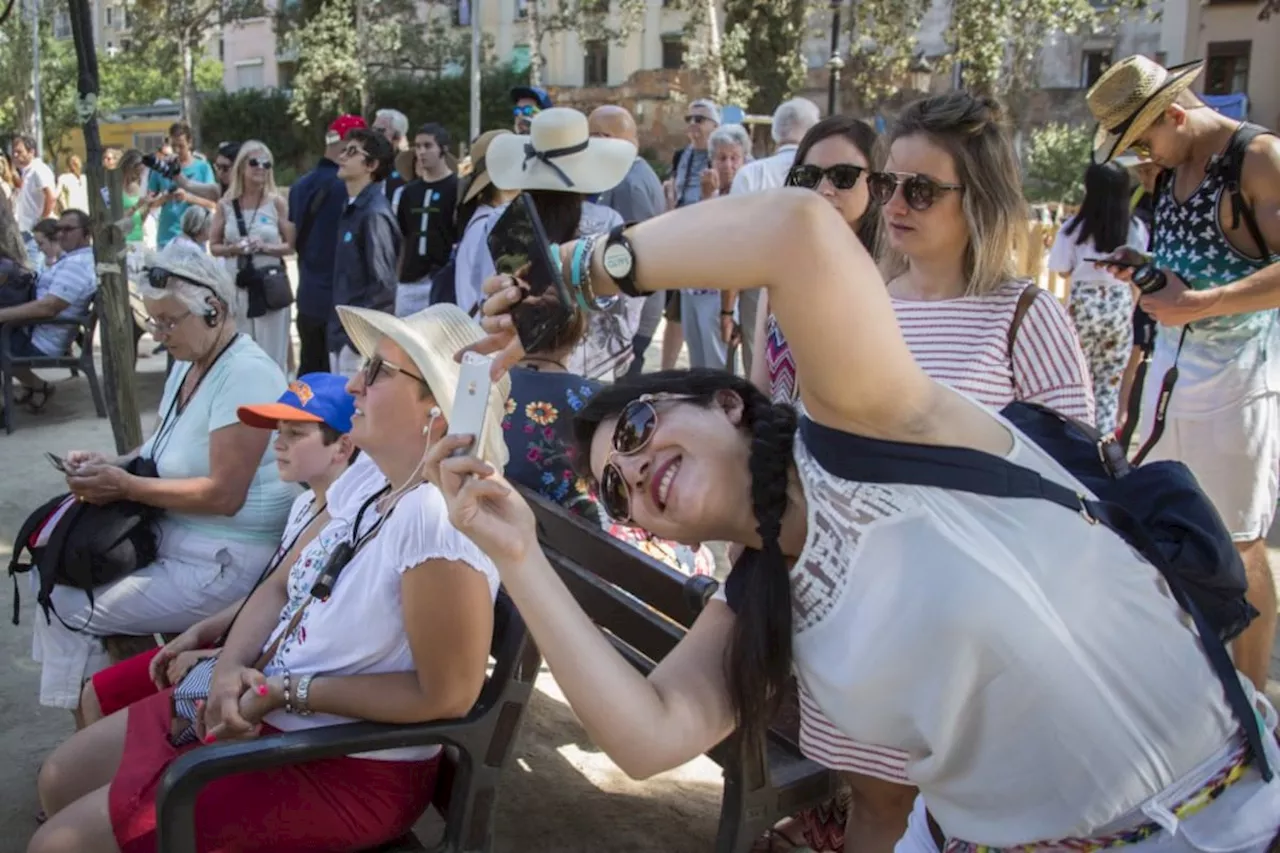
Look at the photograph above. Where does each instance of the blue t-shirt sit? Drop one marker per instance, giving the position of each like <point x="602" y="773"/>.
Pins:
<point x="170" y="225"/>
<point x="243" y="376"/>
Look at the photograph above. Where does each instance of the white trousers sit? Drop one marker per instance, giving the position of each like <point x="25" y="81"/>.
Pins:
<point x="194" y="576"/>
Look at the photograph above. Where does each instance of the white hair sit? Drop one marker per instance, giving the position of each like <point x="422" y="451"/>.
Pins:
<point x="399" y="121"/>
<point x="196" y="220"/>
<point x="187" y="259"/>
<point x="730" y="134"/>
<point x="792" y="120"/>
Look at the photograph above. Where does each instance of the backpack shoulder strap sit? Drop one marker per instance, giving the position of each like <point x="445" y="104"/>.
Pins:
<point x="1230" y="165"/>
<point x="1025" y="300"/>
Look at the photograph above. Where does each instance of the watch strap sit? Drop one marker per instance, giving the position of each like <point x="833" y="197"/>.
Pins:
<point x="618" y="237"/>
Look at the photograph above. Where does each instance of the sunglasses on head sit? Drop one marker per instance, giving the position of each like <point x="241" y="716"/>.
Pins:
<point x="527" y="110"/>
<point x="158" y="278"/>
<point x="259" y="164"/>
<point x="920" y="191"/>
<point x="376" y="366"/>
<point x="843" y="176"/>
<point x="631" y="434"/>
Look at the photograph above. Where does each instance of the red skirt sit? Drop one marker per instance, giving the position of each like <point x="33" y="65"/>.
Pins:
<point x="120" y="685"/>
<point x="331" y="806"/>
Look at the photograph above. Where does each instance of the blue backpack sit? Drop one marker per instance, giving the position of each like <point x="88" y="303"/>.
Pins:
<point x="1158" y="508"/>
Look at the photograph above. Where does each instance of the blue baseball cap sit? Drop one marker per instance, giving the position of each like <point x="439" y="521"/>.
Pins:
<point x="319" y="398"/>
<point x="533" y="93"/>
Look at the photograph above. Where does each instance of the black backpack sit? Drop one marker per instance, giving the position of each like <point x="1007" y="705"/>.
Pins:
<point x="17" y="285"/>
<point x="1157" y="508"/>
<point x="89" y="546"/>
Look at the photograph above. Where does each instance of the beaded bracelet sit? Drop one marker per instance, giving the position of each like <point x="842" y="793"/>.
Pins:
<point x="288" y="695"/>
<point x="575" y="268"/>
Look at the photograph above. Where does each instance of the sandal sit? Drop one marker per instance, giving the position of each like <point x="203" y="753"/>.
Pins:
<point x="786" y="835"/>
<point x="36" y="398"/>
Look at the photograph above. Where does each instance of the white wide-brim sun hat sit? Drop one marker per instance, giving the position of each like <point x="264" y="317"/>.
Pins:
<point x="431" y="338"/>
<point x="560" y="155"/>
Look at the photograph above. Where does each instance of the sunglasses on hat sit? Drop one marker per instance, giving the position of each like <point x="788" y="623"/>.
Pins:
<point x="843" y="176"/>
<point x="919" y="191"/>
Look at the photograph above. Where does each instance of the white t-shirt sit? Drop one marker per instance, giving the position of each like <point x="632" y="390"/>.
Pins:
<point x="1067" y="257"/>
<point x="1034" y="669"/>
<point x="360" y="629"/>
<point x="73" y="192"/>
<point x="36" y="178"/>
<point x="767" y="173"/>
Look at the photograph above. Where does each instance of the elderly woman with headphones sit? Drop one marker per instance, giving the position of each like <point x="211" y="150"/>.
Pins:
<point x="214" y="478"/>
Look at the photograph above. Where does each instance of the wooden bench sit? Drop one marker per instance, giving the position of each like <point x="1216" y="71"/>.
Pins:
<point x="645" y="608"/>
<point x="466" y="792"/>
<point x="77" y="362"/>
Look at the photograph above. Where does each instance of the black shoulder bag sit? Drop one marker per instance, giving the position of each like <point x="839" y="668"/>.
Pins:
<point x="268" y="287"/>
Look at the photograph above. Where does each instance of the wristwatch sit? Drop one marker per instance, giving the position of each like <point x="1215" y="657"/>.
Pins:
<point x="619" y="260"/>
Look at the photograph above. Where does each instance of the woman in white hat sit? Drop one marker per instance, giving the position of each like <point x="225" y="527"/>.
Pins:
<point x="559" y="163"/>
<point x="215" y="480"/>
<point x="402" y="638"/>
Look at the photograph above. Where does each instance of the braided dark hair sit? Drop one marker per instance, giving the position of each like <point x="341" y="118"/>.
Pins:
<point x="759" y="660"/>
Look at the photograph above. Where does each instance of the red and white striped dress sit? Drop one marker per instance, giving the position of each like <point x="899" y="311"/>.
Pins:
<point x="963" y="343"/>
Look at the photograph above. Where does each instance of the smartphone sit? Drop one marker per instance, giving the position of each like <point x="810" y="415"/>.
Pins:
<point x="518" y="245"/>
<point x="471" y="401"/>
<point x="1114" y="263"/>
<point x="57" y="462"/>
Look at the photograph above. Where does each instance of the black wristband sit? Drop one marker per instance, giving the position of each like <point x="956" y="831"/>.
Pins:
<point x="726" y="313"/>
<point x="619" y="260"/>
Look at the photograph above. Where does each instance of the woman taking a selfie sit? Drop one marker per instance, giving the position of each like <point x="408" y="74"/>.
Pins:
<point x="1032" y="666"/>
<point x="402" y="638"/>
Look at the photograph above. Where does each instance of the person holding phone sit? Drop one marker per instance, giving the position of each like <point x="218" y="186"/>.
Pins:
<point x="1031" y="666"/>
<point x="558" y="165"/>
<point x="400" y="636"/>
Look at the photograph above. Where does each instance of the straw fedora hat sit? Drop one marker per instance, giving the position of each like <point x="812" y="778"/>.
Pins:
<point x="432" y="337"/>
<point x="1130" y="96"/>
<point x="478" y="178"/>
<point x="559" y="154"/>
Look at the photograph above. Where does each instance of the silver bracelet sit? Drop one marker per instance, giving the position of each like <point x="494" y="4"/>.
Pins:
<point x="303" y="708"/>
<point x="288" y="695"/>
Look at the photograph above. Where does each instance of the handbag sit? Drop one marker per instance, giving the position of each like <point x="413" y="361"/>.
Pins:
<point x="268" y="288"/>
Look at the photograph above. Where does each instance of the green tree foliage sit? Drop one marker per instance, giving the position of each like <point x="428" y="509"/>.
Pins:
<point x="591" y="20"/>
<point x="1055" y="160"/>
<point x="57" y="81"/>
<point x="447" y="100"/>
<point x="261" y="114"/>
<point x="882" y="38"/>
<point x="144" y="74"/>
<point x="330" y="78"/>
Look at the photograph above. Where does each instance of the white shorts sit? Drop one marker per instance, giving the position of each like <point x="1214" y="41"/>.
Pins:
<point x="1234" y="454"/>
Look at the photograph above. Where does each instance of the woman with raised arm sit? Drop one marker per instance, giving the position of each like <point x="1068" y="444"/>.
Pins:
<point x="1032" y="666"/>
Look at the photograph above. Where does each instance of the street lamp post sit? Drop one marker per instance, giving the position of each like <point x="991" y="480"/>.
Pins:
<point x="835" y="64"/>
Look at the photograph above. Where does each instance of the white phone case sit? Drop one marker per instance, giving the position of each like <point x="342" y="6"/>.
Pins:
<point x="471" y="400"/>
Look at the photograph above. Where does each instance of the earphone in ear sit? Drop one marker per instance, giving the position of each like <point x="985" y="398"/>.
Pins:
<point x="433" y="414"/>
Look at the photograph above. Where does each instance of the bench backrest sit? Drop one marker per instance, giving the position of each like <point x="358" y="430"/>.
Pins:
<point x="644" y="605"/>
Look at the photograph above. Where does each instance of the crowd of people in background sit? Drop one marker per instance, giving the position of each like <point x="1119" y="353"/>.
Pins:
<point x="983" y="672"/>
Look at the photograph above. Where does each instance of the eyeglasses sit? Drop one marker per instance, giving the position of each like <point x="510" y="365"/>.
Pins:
<point x="527" y="110"/>
<point x="843" y="176"/>
<point x="692" y="119"/>
<point x="63" y="229"/>
<point x="920" y="191"/>
<point x="164" y="327"/>
<point x="259" y="164"/>
<point x="377" y="366"/>
<point x="354" y="150"/>
<point x="631" y="434"/>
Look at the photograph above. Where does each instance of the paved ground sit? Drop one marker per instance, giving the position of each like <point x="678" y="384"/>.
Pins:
<point x="563" y="795"/>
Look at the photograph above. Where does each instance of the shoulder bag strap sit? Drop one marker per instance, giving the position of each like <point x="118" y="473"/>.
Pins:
<point x="865" y="460"/>
<point x="1025" y="300"/>
<point x="243" y="260"/>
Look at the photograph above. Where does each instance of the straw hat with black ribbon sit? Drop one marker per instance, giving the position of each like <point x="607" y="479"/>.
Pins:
<point x="1129" y="97"/>
<point x="478" y="176"/>
<point x="560" y="155"/>
<point x="431" y="338"/>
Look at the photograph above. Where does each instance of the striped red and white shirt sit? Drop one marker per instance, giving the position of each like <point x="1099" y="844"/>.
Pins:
<point x="963" y="343"/>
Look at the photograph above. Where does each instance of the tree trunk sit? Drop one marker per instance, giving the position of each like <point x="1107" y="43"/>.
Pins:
<point x="189" y="89"/>
<point x="535" y="41"/>
<point x="115" y="319"/>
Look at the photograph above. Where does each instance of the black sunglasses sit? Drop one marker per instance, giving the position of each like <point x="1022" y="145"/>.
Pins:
<point x="920" y="191"/>
<point x="377" y="365"/>
<point x="692" y="119"/>
<point x="259" y="164"/>
<point x="843" y="176"/>
<point x="158" y="278"/>
<point x="631" y="434"/>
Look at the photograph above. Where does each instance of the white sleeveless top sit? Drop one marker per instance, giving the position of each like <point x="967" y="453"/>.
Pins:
<point x="262" y="222"/>
<point x="1032" y="667"/>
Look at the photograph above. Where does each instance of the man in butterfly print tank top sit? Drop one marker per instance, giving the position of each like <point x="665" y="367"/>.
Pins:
<point x="1223" y="419"/>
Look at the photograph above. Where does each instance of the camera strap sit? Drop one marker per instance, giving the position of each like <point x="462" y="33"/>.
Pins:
<point x="1162" y="404"/>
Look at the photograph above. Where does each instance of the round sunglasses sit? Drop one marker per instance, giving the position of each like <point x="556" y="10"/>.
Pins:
<point x="631" y="434"/>
<point x="920" y="191"/>
<point x="843" y="176"/>
<point x="259" y="164"/>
